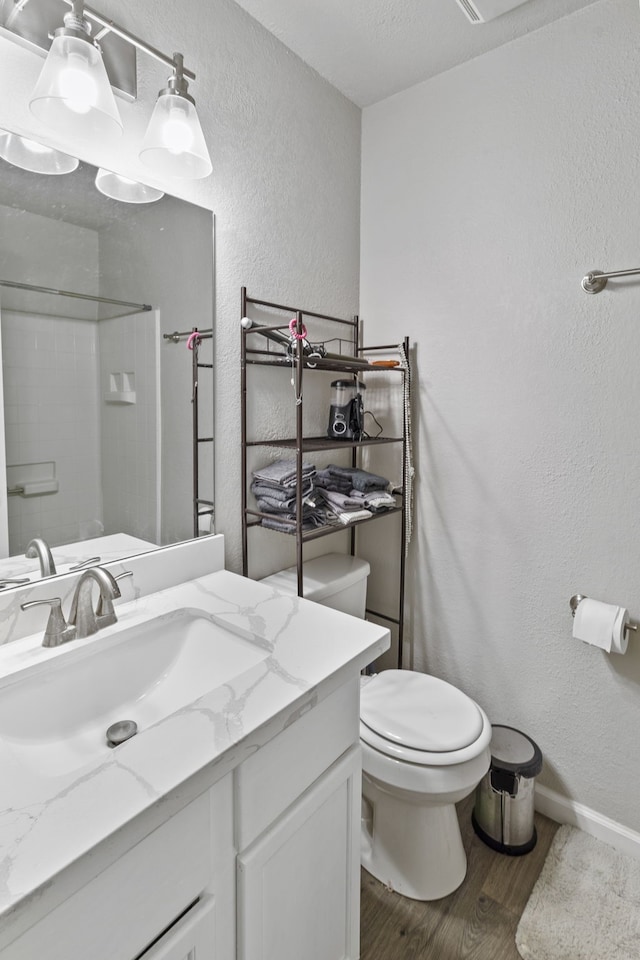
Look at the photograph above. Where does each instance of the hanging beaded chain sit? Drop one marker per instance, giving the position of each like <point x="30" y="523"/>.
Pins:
<point x="295" y="336"/>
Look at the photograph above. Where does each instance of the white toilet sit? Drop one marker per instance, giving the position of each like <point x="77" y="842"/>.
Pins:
<point x="425" y="746"/>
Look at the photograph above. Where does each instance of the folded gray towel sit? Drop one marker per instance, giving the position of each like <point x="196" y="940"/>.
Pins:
<point x="339" y="500"/>
<point x="283" y="507"/>
<point x="279" y="523"/>
<point x="324" y="479"/>
<point x="349" y="516"/>
<point x="284" y="472"/>
<point x="360" y="479"/>
<point x="276" y="492"/>
<point x="378" y="500"/>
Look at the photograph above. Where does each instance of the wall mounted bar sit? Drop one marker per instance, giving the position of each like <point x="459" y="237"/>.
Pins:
<point x="596" y="280"/>
<point x="177" y="336"/>
<point x="133" y="307"/>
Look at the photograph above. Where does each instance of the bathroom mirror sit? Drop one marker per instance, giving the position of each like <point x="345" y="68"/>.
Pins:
<point x="97" y="399"/>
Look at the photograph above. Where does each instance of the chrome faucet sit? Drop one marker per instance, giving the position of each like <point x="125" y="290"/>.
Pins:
<point x="83" y="617"/>
<point x="57" y="630"/>
<point x="40" y="548"/>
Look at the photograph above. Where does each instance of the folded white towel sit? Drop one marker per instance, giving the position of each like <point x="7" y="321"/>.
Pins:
<point x="354" y="515"/>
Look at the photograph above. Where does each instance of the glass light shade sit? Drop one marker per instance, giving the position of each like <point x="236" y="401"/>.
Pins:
<point x="73" y="93"/>
<point x="174" y="143"/>
<point x="33" y="156"/>
<point x="128" y="191"/>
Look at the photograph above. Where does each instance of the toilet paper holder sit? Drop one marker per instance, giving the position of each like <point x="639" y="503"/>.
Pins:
<point x="575" y="600"/>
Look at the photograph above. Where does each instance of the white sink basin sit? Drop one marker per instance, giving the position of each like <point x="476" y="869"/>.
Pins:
<point x="55" y="715"/>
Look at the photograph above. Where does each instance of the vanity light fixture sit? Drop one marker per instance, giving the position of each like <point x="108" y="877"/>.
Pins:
<point x="74" y="94"/>
<point x="122" y="188"/>
<point x="33" y="156"/>
<point x="174" y="144"/>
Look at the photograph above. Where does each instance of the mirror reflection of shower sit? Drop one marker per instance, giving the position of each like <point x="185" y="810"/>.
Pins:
<point x="82" y="419"/>
<point x="97" y="404"/>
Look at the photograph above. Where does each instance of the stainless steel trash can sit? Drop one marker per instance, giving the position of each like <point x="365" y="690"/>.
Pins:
<point x="503" y="812"/>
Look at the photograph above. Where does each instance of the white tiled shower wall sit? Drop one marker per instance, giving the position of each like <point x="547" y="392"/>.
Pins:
<point x="57" y="409"/>
<point x="52" y="414"/>
<point x="131" y="431"/>
<point x="105" y="455"/>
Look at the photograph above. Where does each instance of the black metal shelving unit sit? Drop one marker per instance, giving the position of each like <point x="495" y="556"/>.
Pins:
<point x="300" y="365"/>
<point x="201" y="506"/>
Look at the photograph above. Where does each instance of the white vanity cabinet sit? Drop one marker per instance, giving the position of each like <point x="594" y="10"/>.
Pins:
<point x="192" y="937"/>
<point x="298" y="829"/>
<point x="298" y="886"/>
<point x="160" y="900"/>
<point x="263" y="865"/>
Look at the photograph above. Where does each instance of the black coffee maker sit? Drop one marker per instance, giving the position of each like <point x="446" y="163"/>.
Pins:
<point x="346" y="414"/>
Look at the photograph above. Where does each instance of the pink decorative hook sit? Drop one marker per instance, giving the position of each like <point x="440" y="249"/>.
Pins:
<point x="293" y="330"/>
<point x="192" y="339"/>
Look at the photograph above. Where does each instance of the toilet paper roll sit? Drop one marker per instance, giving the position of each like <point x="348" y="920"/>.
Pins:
<point x="602" y="625"/>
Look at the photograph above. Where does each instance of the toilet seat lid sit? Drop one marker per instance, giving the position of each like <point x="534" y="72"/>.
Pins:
<point x="419" y="711"/>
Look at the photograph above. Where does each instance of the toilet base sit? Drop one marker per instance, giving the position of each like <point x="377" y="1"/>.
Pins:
<point x="414" y="848"/>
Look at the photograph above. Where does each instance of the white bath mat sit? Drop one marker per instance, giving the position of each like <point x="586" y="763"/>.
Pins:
<point x="585" y="904"/>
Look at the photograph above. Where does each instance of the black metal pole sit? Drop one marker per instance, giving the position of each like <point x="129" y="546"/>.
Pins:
<point x="403" y="519"/>
<point x="243" y="430"/>
<point x="194" y="418"/>
<point x="299" y="446"/>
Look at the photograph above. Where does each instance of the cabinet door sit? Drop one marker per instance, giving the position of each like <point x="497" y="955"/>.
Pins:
<point x="191" y="938"/>
<point x="299" y="883"/>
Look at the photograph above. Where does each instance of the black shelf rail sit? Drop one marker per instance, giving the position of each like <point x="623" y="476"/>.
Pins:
<point x="297" y="365"/>
<point x="309" y="363"/>
<point x="196" y="365"/>
<point x="327" y="530"/>
<point x="322" y="443"/>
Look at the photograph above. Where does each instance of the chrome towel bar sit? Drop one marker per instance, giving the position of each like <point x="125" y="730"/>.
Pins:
<point x="596" y="280"/>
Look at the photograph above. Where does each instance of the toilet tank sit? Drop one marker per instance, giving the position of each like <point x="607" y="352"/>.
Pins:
<point x="334" y="580"/>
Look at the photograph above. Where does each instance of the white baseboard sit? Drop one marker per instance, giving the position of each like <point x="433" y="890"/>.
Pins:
<point x="563" y="810"/>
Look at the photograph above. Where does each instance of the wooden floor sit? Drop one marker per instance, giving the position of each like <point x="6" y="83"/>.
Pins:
<point x="476" y="922"/>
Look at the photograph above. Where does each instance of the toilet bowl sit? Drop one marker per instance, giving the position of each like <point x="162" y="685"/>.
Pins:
<point x="425" y="747"/>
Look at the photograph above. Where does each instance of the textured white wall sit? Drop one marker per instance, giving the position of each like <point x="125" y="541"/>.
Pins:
<point x="488" y="192"/>
<point x="285" y="148"/>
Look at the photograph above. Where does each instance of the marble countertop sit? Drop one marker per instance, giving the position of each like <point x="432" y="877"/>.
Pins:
<point x="112" y="547"/>
<point x="49" y="819"/>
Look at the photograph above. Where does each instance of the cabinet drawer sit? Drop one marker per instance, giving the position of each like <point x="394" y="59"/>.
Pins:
<point x="127" y="906"/>
<point x="273" y="777"/>
<point x="191" y="938"/>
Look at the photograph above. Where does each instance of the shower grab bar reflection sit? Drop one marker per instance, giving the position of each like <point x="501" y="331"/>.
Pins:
<point x="177" y="336"/>
<point x="596" y="280"/>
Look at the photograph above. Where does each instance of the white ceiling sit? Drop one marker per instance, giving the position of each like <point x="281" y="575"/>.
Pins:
<point x="371" y="49"/>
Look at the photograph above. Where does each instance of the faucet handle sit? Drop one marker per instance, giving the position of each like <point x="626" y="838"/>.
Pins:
<point x="90" y="562"/>
<point x="57" y="630"/>
<point x="104" y="610"/>
<point x="121" y="576"/>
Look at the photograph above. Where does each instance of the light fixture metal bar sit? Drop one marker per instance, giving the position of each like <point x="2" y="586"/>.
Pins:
<point x="30" y="23"/>
<point x="132" y="39"/>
